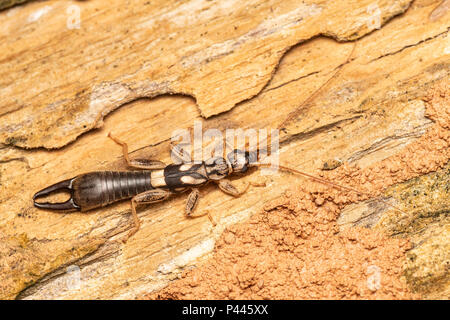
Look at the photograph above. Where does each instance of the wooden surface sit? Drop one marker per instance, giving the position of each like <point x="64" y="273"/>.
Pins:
<point x="318" y="71"/>
<point x="9" y="3"/>
<point x="75" y="77"/>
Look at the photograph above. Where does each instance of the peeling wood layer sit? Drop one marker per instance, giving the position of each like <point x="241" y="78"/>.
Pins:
<point x="220" y="53"/>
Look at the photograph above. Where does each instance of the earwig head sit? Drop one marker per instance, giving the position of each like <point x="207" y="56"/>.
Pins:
<point x="217" y="168"/>
<point x="240" y="160"/>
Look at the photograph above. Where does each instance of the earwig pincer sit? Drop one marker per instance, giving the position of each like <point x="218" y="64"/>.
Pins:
<point x="155" y="182"/>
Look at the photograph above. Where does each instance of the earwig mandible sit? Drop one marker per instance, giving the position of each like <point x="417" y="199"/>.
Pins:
<point x="157" y="181"/>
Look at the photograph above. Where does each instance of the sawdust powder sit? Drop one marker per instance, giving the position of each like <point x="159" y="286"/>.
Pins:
<point x="293" y="248"/>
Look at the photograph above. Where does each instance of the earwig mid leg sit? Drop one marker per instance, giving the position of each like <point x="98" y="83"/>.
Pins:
<point x="137" y="163"/>
<point x="151" y="196"/>
<point x="226" y="186"/>
<point x="191" y="204"/>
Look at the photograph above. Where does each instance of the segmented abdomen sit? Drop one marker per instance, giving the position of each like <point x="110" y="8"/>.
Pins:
<point x="97" y="189"/>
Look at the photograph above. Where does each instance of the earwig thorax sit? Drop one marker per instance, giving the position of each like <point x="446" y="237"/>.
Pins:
<point x="239" y="160"/>
<point x="217" y="168"/>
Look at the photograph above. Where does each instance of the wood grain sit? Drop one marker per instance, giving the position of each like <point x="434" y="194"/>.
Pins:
<point x="220" y="53"/>
<point x="228" y="65"/>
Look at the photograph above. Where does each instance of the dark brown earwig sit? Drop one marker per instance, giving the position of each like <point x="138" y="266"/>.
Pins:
<point x="157" y="182"/>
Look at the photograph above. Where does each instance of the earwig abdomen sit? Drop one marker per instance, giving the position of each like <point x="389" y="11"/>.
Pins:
<point x="100" y="188"/>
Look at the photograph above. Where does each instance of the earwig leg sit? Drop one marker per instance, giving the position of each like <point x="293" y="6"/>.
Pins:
<point x="226" y="186"/>
<point x="137" y="223"/>
<point x="192" y="201"/>
<point x="150" y="196"/>
<point x="179" y="153"/>
<point x="177" y="150"/>
<point x="137" y="163"/>
<point x="191" y="204"/>
<point x="258" y="184"/>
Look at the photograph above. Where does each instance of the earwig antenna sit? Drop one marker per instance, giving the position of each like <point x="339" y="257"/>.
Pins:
<point x="324" y="181"/>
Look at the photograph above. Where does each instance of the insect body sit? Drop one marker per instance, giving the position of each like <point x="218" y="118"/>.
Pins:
<point x="157" y="183"/>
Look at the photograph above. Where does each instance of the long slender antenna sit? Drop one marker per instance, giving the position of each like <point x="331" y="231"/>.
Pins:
<point x="324" y="181"/>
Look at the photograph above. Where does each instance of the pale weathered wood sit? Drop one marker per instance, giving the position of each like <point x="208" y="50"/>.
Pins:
<point x="322" y="95"/>
<point x="221" y="53"/>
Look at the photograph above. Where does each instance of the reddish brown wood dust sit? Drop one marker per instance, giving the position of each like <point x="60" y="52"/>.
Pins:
<point x="293" y="250"/>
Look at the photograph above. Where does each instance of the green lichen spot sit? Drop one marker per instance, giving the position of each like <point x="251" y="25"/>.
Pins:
<point x="425" y="201"/>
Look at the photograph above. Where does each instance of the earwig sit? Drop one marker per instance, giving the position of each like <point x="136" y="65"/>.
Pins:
<point x="157" y="182"/>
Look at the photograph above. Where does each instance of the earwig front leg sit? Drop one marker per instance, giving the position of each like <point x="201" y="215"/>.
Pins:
<point x="151" y="196"/>
<point x="137" y="163"/>
<point x="191" y="204"/>
<point x="179" y="153"/>
<point x="226" y="186"/>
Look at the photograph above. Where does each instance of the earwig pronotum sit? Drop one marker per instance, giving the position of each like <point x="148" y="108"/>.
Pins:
<point x="157" y="182"/>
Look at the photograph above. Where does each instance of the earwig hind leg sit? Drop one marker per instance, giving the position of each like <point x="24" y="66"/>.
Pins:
<point x="227" y="187"/>
<point x="150" y="196"/>
<point x="191" y="204"/>
<point x="137" y="163"/>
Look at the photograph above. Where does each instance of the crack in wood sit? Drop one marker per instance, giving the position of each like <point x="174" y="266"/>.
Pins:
<point x="290" y="81"/>
<point x="301" y="136"/>
<point x="383" y="142"/>
<point x="410" y="46"/>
